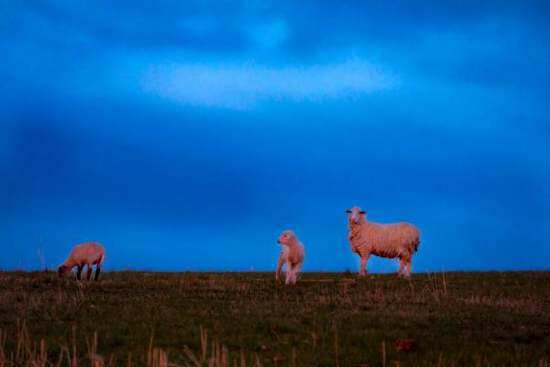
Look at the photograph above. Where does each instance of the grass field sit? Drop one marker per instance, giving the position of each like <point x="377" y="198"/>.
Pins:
<point x="237" y="319"/>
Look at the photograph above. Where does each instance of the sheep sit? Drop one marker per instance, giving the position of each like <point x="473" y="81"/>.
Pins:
<point x="89" y="254"/>
<point x="396" y="240"/>
<point x="292" y="254"/>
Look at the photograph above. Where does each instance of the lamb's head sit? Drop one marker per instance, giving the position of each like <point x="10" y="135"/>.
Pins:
<point x="63" y="270"/>
<point x="356" y="215"/>
<point x="287" y="238"/>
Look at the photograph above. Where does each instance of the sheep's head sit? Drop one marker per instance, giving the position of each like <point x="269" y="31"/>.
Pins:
<point x="355" y="215"/>
<point x="287" y="238"/>
<point x="63" y="270"/>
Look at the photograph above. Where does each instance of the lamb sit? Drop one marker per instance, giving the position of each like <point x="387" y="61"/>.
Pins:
<point x="292" y="254"/>
<point x="396" y="240"/>
<point x="89" y="254"/>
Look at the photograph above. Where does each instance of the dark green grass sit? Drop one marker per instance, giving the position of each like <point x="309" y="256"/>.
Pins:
<point x="491" y="318"/>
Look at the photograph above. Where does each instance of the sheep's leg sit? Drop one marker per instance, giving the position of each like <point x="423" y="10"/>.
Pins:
<point x="402" y="266"/>
<point x="409" y="268"/>
<point x="79" y="272"/>
<point x="363" y="268"/>
<point x="89" y="273"/>
<point x="97" y="272"/>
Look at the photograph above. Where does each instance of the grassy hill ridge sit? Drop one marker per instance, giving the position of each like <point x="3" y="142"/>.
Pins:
<point x="327" y="319"/>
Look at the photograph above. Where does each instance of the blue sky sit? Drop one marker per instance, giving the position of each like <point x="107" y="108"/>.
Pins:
<point x="187" y="135"/>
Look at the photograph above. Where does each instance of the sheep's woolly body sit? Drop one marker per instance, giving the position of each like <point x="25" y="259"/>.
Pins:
<point x="89" y="253"/>
<point x="397" y="240"/>
<point x="384" y="240"/>
<point x="85" y="254"/>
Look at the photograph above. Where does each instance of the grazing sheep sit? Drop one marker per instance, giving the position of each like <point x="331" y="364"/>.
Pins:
<point x="89" y="254"/>
<point x="397" y="240"/>
<point x="292" y="255"/>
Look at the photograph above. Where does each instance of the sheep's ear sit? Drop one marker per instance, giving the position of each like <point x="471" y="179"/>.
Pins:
<point x="348" y="211"/>
<point x="362" y="212"/>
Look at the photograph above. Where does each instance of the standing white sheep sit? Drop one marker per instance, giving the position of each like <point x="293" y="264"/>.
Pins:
<point x="292" y="254"/>
<point x="397" y="240"/>
<point x="89" y="254"/>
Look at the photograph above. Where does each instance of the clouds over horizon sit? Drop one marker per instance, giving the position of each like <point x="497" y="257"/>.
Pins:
<point x="238" y="86"/>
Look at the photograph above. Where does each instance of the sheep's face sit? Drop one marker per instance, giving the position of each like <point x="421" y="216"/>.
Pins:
<point x="355" y="214"/>
<point x="63" y="271"/>
<point x="287" y="238"/>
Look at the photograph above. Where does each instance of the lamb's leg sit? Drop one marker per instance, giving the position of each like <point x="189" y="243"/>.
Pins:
<point x="97" y="272"/>
<point x="89" y="273"/>
<point x="288" y="274"/>
<point x="79" y="272"/>
<point x="295" y="273"/>
<point x="279" y="267"/>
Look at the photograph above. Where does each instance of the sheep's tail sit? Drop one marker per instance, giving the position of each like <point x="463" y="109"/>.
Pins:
<point x="416" y="241"/>
<point x="416" y="244"/>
